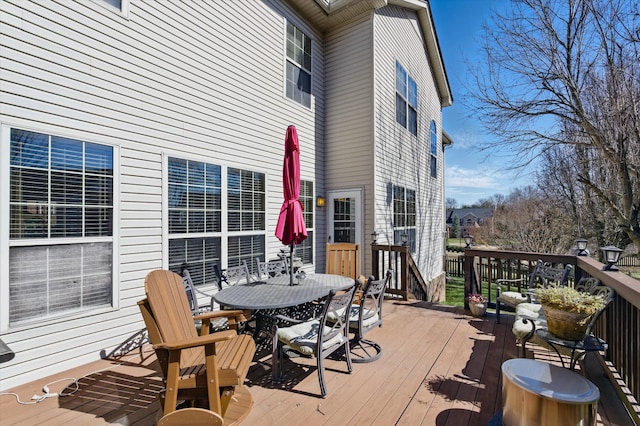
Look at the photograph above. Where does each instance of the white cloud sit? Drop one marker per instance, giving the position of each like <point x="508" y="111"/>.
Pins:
<point x="456" y="177"/>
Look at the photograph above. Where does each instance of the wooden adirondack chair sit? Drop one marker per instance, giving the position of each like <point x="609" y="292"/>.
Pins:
<point x="210" y="367"/>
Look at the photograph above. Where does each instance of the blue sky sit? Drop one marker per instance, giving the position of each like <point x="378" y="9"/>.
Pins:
<point x="469" y="174"/>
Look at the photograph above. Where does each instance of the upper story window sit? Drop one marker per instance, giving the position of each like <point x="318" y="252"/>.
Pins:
<point x="406" y="100"/>
<point x="434" y="149"/>
<point x="61" y="218"/>
<point x="298" y="85"/>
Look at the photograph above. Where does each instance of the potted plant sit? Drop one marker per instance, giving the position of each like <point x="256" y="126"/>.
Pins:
<point x="568" y="312"/>
<point x="477" y="304"/>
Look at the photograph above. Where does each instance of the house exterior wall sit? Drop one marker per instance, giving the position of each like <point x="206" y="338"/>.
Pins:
<point x="349" y="126"/>
<point x="205" y="81"/>
<point x="168" y="78"/>
<point x="402" y="158"/>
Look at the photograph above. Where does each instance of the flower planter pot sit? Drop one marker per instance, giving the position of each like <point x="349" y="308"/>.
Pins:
<point x="478" y="309"/>
<point x="566" y="325"/>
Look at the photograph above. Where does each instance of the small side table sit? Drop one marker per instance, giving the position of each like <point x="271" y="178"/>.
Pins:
<point x="538" y="393"/>
<point x="590" y="343"/>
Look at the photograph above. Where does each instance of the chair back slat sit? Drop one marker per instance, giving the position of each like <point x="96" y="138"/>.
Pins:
<point x="272" y="268"/>
<point x="343" y="259"/>
<point x="371" y="303"/>
<point x="547" y="275"/>
<point x="168" y="301"/>
<point x="338" y="308"/>
<point x="238" y="274"/>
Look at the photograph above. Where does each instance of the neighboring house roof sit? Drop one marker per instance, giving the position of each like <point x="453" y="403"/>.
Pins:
<point x="476" y="212"/>
<point x="326" y="14"/>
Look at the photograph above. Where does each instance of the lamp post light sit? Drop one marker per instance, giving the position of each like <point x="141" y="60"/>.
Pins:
<point x="468" y="239"/>
<point x="404" y="238"/>
<point x="611" y="256"/>
<point x="581" y="244"/>
<point x="374" y="237"/>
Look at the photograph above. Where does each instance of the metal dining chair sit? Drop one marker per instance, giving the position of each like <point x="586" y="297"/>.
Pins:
<point x="318" y="337"/>
<point x="271" y="268"/>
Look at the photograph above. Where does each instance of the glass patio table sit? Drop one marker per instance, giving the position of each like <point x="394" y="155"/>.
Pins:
<point x="274" y="296"/>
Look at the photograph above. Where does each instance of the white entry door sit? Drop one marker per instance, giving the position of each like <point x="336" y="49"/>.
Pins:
<point x="345" y="216"/>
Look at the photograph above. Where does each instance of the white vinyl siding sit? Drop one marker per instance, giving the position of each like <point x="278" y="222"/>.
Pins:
<point x="185" y="79"/>
<point x="202" y="81"/>
<point x="401" y="159"/>
<point x="349" y="123"/>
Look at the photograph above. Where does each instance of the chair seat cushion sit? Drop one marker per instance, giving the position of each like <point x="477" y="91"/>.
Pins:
<point x="369" y="318"/>
<point x="303" y="337"/>
<point x="530" y="311"/>
<point x="512" y="297"/>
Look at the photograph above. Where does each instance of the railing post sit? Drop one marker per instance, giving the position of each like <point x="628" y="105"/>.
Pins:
<point x="375" y="261"/>
<point x="404" y="273"/>
<point x="468" y="272"/>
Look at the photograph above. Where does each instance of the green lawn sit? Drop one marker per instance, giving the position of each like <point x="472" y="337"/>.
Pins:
<point x="454" y="295"/>
<point x="455" y="292"/>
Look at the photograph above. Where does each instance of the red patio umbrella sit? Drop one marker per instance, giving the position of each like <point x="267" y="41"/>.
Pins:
<point x="290" y="228"/>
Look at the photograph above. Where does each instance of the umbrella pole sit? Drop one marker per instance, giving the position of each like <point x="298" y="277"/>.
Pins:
<point x="291" y="264"/>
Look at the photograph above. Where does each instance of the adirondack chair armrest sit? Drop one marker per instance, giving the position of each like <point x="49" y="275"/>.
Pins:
<point x="198" y="341"/>
<point x="238" y="314"/>
<point x="233" y="316"/>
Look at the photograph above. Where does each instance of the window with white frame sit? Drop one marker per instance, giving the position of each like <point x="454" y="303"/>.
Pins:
<point x="246" y="216"/>
<point x="61" y="220"/>
<point x="434" y="149"/>
<point x="305" y="250"/>
<point x="194" y="217"/>
<point x="406" y="100"/>
<point x="404" y="215"/>
<point x="195" y="211"/>
<point x="298" y="73"/>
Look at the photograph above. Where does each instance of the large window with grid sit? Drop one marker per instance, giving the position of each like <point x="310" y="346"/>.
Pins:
<point x="406" y="100"/>
<point x="404" y="215"/>
<point x="194" y="217"/>
<point x="246" y="215"/>
<point x="305" y="250"/>
<point x="298" y="73"/>
<point x="434" y="149"/>
<point x="61" y="220"/>
<point x="196" y="208"/>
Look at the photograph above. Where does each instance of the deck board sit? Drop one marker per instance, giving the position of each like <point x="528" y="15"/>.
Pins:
<point x="439" y="366"/>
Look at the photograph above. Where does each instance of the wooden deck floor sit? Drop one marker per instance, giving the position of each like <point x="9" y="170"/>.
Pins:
<point x="439" y="366"/>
